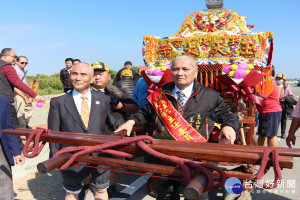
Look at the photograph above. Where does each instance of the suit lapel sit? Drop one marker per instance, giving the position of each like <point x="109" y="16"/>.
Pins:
<point x="95" y="107"/>
<point x="71" y="108"/>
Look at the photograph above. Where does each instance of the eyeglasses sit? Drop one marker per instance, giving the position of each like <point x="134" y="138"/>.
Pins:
<point x="24" y="63"/>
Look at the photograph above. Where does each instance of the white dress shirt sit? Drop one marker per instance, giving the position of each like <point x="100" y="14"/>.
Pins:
<point x="78" y="100"/>
<point x="187" y="92"/>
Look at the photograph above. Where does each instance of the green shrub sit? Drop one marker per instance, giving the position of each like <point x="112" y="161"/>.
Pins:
<point x="136" y="69"/>
<point x="113" y="74"/>
<point x="49" y="85"/>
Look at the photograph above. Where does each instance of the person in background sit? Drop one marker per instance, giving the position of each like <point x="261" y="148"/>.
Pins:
<point x="101" y="82"/>
<point x="269" y="118"/>
<point x="22" y="103"/>
<point x="127" y="65"/>
<point x="291" y="138"/>
<point x="9" y="151"/>
<point x="75" y="62"/>
<point x="284" y="92"/>
<point x="65" y="75"/>
<point x="126" y="83"/>
<point x="10" y="80"/>
<point x="140" y="93"/>
<point x="140" y="73"/>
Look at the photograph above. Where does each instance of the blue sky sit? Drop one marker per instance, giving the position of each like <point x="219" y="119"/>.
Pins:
<point x="47" y="32"/>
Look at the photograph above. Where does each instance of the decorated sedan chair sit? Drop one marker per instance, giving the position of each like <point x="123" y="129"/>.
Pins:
<point x="231" y="59"/>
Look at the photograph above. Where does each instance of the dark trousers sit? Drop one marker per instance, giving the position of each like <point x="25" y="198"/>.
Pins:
<point x="283" y="121"/>
<point x="6" y="185"/>
<point x="13" y="113"/>
<point x="14" y="117"/>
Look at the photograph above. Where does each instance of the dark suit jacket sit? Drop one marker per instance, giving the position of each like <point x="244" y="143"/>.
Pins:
<point x="10" y="143"/>
<point x="63" y="116"/>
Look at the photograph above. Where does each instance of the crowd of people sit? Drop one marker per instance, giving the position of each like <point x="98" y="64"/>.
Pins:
<point x="181" y="110"/>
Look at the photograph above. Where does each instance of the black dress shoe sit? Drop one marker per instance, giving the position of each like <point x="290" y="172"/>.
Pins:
<point x="283" y="136"/>
<point x="112" y="192"/>
<point x="169" y="196"/>
<point x="168" y="190"/>
<point x="164" y="197"/>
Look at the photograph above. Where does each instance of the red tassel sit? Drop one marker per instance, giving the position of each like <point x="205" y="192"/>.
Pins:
<point x="201" y="79"/>
<point x="211" y="80"/>
<point x="206" y="79"/>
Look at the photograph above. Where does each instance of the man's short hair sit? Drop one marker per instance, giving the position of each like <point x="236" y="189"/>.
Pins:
<point x="19" y="57"/>
<point x="192" y="58"/>
<point x="76" y="60"/>
<point x="5" y="51"/>
<point x="127" y="63"/>
<point x="69" y="59"/>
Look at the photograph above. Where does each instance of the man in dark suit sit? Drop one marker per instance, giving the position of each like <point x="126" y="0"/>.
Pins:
<point x="65" y="75"/>
<point x="9" y="150"/>
<point x="83" y="111"/>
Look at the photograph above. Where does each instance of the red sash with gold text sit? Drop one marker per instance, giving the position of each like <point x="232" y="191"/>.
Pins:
<point x="177" y="126"/>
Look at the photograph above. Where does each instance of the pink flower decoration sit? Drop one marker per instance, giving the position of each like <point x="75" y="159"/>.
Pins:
<point x="239" y="73"/>
<point x="243" y="66"/>
<point x="227" y="69"/>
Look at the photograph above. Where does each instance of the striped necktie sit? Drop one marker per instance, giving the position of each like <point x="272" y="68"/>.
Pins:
<point x="180" y="99"/>
<point x="85" y="112"/>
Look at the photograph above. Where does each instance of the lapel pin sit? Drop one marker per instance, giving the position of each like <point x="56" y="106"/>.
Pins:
<point x="97" y="102"/>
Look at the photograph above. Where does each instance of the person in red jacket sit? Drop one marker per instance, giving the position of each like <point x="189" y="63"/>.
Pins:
<point x="9" y="79"/>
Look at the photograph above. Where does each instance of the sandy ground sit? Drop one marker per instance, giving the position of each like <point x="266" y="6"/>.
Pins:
<point x="38" y="186"/>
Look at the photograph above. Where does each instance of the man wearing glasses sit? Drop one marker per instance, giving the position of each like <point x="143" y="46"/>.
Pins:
<point x="22" y="103"/>
<point x="9" y="79"/>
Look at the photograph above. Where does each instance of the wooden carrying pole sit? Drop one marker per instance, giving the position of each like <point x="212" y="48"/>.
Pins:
<point x="183" y="149"/>
<point x="90" y="138"/>
<point x="58" y="161"/>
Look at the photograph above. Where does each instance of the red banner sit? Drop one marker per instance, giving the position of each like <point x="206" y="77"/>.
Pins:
<point x="177" y="126"/>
